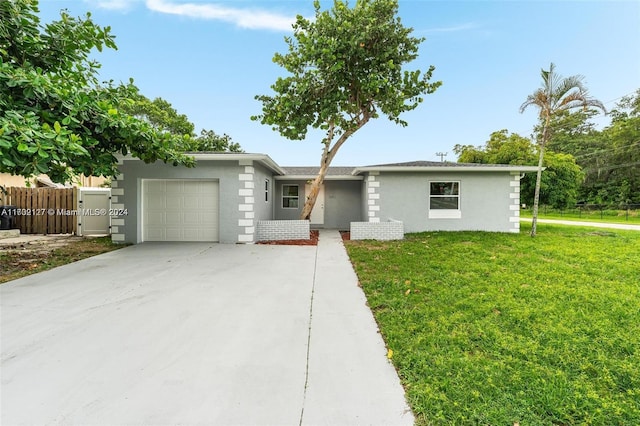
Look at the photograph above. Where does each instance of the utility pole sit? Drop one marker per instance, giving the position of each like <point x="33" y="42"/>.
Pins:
<point x="441" y="155"/>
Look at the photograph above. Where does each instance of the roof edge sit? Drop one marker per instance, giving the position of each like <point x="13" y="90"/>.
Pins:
<point x="452" y="168"/>
<point x="328" y="177"/>
<point x="226" y="156"/>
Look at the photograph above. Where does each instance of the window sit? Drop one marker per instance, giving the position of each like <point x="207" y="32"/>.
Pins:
<point x="444" y="200"/>
<point x="267" y="184"/>
<point x="289" y="196"/>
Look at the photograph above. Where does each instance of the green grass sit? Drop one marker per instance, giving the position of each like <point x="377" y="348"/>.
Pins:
<point x="498" y="329"/>
<point x="631" y="217"/>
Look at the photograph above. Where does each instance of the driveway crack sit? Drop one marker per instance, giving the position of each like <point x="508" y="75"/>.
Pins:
<point x="306" y="373"/>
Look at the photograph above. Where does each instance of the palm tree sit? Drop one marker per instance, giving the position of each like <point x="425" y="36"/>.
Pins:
<point x="557" y="95"/>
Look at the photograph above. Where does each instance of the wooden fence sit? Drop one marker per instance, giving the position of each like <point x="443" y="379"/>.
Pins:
<point x="43" y="210"/>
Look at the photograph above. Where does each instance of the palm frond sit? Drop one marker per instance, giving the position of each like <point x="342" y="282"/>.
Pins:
<point x="566" y="86"/>
<point x="560" y="94"/>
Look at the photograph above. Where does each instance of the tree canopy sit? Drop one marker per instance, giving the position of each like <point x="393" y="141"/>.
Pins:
<point x="208" y="140"/>
<point x="161" y="115"/>
<point x="345" y="68"/>
<point x="55" y="116"/>
<point x="610" y="157"/>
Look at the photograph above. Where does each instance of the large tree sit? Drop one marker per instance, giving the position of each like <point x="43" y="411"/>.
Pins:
<point x="557" y="95"/>
<point x="346" y="68"/>
<point x="55" y="116"/>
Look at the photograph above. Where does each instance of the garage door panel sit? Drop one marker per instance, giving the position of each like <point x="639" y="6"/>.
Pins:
<point x="209" y="204"/>
<point x="175" y="188"/>
<point x="173" y="218"/>
<point x="174" y="234"/>
<point x="208" y="219"/>
<point x="154" y="218"/>
<point x="154" y="187"/>
<point x="180" y="210"/>
<point x="155" y="234"/>
<point x="192" y="201"/>
<point x="192" y="217"/>
<point x="155" y="202"/>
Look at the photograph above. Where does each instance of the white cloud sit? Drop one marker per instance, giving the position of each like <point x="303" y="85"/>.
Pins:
<point x="113" y="4"/>
<point x="451" y="29"/>
<point x="244" y="18"/>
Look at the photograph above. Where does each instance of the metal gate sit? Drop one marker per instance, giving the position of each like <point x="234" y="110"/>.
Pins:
<point x="94" y="215"/>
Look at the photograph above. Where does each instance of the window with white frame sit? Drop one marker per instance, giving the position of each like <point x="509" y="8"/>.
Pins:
<point x="267" y="185"/>
<point x="290" y="196"/>
<point x="444" y="200"/>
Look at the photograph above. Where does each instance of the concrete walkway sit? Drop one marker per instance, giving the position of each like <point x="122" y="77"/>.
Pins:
<point x="350" y="380"/>
<point x="196" y="333"/>
<point x="624" y="226"/>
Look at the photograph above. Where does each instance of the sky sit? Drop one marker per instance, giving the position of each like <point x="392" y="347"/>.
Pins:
<point x="210" y="58"/>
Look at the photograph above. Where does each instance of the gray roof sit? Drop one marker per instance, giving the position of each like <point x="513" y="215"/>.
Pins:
<point x="438" y="164"/>
<point x="444" y="166"/>
<point x="313" y="171"/>
<point x="343" y="172"/>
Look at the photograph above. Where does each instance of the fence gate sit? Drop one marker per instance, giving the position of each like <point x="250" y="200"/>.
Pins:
<point x="43" y="210"/>
<point x="93" y="211"/>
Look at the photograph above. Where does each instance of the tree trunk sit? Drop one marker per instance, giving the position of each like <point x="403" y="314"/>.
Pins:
<point x="536" y="196"/>
<point x="315" y="189"/>
<point x="327" y="156"/>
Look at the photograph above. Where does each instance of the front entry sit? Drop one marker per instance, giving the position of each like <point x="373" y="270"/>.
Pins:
<point x="317" y="214"/>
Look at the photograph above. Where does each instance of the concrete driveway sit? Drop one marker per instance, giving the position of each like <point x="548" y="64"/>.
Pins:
<point x="192" y="333"/>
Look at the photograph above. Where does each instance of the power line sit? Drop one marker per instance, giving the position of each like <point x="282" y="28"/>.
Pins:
<point x="620" y="97"/>
<point x="613" y="167"/>
<point x="606" y="150"/>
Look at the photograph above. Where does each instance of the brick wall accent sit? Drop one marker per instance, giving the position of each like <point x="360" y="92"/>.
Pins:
<point x="270" y="230"/>
<point x="373" y="197"/>
<point x="246" y="202"/>
<point x="117" y="199"/>
<point x="514" y="207"/>
<point x="391" y="230"/>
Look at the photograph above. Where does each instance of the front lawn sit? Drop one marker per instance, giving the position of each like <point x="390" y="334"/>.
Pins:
<point x="499" y="329"/>
<point x="22" y="260"/>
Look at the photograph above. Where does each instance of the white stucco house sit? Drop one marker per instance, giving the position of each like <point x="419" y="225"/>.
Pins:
<point x="228" y="196"/>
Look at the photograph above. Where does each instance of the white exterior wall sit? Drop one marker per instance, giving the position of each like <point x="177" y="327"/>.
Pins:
<point x="488" y="201"/>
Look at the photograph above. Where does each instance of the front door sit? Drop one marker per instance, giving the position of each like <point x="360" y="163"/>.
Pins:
<point x="317" y="214"/>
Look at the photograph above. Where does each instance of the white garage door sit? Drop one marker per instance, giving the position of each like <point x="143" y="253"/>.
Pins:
<point x="179" y="210"/>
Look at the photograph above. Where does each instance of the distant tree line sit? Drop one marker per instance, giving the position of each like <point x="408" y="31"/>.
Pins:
<point x="583" y="164"/>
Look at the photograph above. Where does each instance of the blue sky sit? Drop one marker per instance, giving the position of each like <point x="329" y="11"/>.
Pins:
<point x="210" y="58"/>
